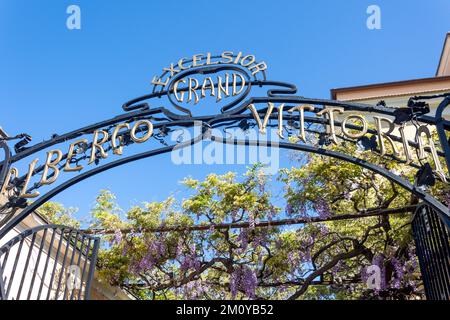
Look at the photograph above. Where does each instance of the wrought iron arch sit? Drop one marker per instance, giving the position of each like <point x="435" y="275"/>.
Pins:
<point x="167" y="119"/>
<point x="237" y="112"/>
<point x="435" y="204"/>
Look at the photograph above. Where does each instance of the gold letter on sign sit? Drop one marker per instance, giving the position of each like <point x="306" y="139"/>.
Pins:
<point x="258" y="67"/>
<point x="146" y="136"/>
<point x="405" y="142"/>
<point x="262" y="126"/>
<point x="382" y="134"/>
<point x="235" y="83"/>
<point x="221" y="88"/>
<point x="70" y="155"/>
<point x="11" y="172"/>
<point x="180" y="97"/>
<point x="51" y="164"/>
<point x="301" y="109"/>
<point x="422" y="154"/>
<point x="328" y="112"/>
<point x="23" y="193"/>
<point x="193" y="86"/>
<point x="280" y="121"/>
<point x="117" y="149"/>
<point x="355" y="135"/>
<point x="159" y="82"/>
<point x="181" y="64"/>
<point x="207" y="86"/>
<point x="97" y="144"/>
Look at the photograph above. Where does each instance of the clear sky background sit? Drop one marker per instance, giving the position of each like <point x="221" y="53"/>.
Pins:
<point x="54" y="80"/>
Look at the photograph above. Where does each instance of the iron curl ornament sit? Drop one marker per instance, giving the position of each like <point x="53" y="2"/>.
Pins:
<point x="222" y="91"/>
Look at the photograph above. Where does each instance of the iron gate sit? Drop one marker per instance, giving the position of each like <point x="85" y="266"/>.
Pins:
<point x="433" y="250"/>
<point x="86" y="155"/>
<point x="48" y="262"/>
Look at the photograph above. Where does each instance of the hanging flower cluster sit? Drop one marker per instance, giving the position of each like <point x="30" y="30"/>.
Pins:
<point x="244" y="279"/>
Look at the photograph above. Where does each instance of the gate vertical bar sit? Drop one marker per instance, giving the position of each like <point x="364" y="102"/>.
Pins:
<point x="49" y="266"/>
<point x="93" y="262"/>
<point x="432" y="240"/>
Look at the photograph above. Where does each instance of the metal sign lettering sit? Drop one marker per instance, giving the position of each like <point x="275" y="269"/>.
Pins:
<point x="220" y="90"/>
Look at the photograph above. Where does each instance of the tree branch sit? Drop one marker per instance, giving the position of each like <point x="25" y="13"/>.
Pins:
<point x="243" y="225"/>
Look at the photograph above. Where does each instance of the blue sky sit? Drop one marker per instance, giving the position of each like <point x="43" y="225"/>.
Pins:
<point x="53" y="80"/>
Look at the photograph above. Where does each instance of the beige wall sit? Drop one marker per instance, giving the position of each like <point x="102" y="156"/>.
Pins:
<point x="103" y="291"/>
<point x="395" y="94"/>
<point x="27" y="271"/>
<point x="444" y="63"/>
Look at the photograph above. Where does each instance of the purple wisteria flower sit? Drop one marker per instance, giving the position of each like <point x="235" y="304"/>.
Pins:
<point x="155" y="251"/>
<point x="243" y="278"/>
<point x="243" y="239"/>
<point x="249" y="282"/>
<point x="413" y="259"/>
<point x="399" y="272"/>
<point x="289" y="210"/>
<point x="322" y="208"/>
<point x="272" y="213"/>
<point x="179" y="250"/>
<point x="193" y="290"/>
<point x="293" y="261"/>
<point x="234" y="214"/>
<point x="118" y="237"/>
<point x="447" y="200"/>
<point x="347" y="196"/>
<point x="148" y="262"/>
<point x="191" y="260"/>
<point x="125" y="250"/>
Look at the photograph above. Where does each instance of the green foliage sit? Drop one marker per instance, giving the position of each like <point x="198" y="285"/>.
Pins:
<point x="55" y="213"/>
<point x="153" y="251"/>
<point x="268" y="263"/>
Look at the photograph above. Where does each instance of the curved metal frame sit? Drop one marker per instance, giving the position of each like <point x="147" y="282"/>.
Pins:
<point x="6" y="162"/>
<point x="231" y="114"/>
<point x="139" y="109"/>
<point x="439" y="207"/>
<point x="432" y="241"/>
<point x="440" y="125"/>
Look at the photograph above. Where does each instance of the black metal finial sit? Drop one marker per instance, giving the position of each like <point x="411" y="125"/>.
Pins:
<point x="368" y="144"/>
<point x="425" y="177"/>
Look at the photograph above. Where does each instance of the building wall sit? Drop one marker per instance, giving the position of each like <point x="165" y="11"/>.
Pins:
<point x="22" y="286"/>
<point x="397" y="94"/>
<point x="444" y="63"/>
<point x="43" y="286"/>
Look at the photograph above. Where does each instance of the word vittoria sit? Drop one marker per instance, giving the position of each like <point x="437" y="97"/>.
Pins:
<point x="142" y="130"/>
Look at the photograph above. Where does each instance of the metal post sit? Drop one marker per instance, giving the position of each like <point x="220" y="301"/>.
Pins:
<point x="87" y="295"/>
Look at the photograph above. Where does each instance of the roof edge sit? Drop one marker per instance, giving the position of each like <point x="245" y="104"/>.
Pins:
<point x="387" y="84"/>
